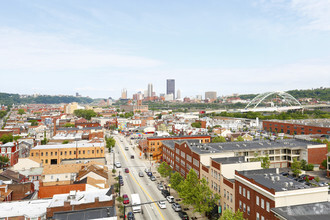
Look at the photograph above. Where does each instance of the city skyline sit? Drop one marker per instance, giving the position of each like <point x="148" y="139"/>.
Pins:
<point x="96" y="49"/>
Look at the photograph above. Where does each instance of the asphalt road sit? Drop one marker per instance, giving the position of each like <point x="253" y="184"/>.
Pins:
<point x="143" y="186"/>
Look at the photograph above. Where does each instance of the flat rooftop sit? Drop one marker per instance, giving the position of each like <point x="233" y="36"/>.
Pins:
<point x="308" y="122"/>
<point x="229" y="160"/>
<point x="29" y="209"/>
<point x="320" y="211"/>
<point x="270" y="179"/>
<point x="62" y="146"/>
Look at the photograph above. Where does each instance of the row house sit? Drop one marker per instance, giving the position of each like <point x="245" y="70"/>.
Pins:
<point x="257" y="192"/>
<point x="10" y="150"/>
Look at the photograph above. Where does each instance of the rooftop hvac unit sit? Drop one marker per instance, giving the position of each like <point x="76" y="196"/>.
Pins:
<point x="277" y="178"/>
<point x="291" y="183"/>
<point x="286" y="184"/>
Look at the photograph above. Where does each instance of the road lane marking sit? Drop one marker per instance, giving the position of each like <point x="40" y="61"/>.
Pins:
<point x="142" y="187"/>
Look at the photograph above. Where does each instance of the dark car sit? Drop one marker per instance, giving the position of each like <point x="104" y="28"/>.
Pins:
<point x="183" y="215"/>
<point x="132" y="156"/>
<point x="130" y="216"/>
<point x="165" y="193"/>
<point x="284" y="174"/>
<point x="149" y="174"/>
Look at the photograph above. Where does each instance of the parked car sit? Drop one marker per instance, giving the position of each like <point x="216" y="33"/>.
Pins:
<point x="160" y="187"/>
<point x="132" y="156"/>
<point x="176" y="207"/>
<point x="146" y="170"/>
<point x="126" y="148"/>
<point x="183" y="215"/>
<point x="141" y="174"/>
<point x="126" y="199"/>
<point x="118" y="164"/>
<point x="170" y="199"/>
<point x="130" y="216"/>
<point x="149" y="174"/>
<point x="152" y="178"/>
<point x="161" y="204"/>
<point x="284" y="173"/>
<point x="126" y="170"/>
<point x="165" y="193"/>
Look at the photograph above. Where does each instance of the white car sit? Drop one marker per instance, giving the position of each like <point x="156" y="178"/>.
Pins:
<point x="118" y="164"/>
<point x="161" y="204"/>
<point x="170" y="199"/>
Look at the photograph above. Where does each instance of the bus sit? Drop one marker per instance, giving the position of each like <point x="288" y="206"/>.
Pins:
<point x="135" y="201"/>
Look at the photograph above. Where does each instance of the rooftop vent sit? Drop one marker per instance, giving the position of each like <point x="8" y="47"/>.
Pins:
<point x="291" y="183"/>
<point x="273" y="178"/>
<point x="277" y="178"/>
<point x="286" y="184"/>
<point x="266" y="176"/>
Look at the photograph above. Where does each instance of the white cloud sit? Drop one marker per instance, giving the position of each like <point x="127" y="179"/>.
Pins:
<point x="43" y="52"/>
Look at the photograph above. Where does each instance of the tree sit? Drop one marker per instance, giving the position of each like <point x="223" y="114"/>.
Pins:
<point x="87" y="114"/>
<point x="196" y="124"/>
<point x="303" y="164"/>
<point x="21" y="111"/>
<point x="265" y="161"/>
<point x="240" y="138"/>
<point x="45" y="140"/>
<point x="218" y="139"/>
<point x="65" y="142"/>
<point x="324" y="164"/>
<point x="229" y="215"/>
<point x="205" y="199"/>
<point x="176" y="180"/>
<point x="3" y="160"/>
<point x="6" y="138"/>
<point x="296" y="167"/>
<point x="68" y="125"/>
<point x="164" y="169"/>
<point x="110" y="142"/>
<point x="33" y="122"/>
<point x="16" y="138"/>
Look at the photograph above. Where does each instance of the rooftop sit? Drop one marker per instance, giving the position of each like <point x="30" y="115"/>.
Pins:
<point x="320" y="211"/>
<point x="179" y="137"/>
<point x="272" y="180"/>
<point x="29" y="209"/>
<point x="62" y="146"/>
<point x="308" y="122"/>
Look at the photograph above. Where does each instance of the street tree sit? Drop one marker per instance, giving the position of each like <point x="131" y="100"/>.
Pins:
<point x="164" y="169"/>
<point x="189" y="188"/>
<point x="205" y="199"/>
<point x="110" y="142"/>
<point x="176" y="180"/>
<point x="240" y="138"/>
<point x="229" y="215"/>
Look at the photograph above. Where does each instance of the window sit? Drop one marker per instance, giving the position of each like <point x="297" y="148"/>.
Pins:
<point x="257" y="200"/>
<point x="46" y="154"/>
<point x="224" y="194"/>
<point x="240" y="205"/>
<point x="101" y="151"/>
<point x="92" y="151"/>
<point x="56" y="153"/>
<point x="51" y="153"/>
<point x="83" y="151"/>
<point x="88" y="152"/>
<point x="257" y="216"/>
<point x="224" y="206"/>
<point x="267" y="206"/>
<point x="42" y="153"/>
<point x="244" y="192"/>
<point x="244" y="207"/>
<point x="262" y="218"/>
<point x="262" y="203"/>
<point x="61" y="152"/>
<point x="97" y="151"/>
<point x="79" y="152"/>
<point x="51" y="177"/>
<point x="70" y="152"/>
<point x="31" y="154"/>
<point x="248" y="194"/>
<point x="240" y="190"/>
<point x="231" y="197"/>
<point x="46" y="161"/>
<point x="65" y="153"/>
<point x="248" y="210"/>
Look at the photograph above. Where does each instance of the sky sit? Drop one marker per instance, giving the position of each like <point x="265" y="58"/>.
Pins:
<point x="97" y="48"/>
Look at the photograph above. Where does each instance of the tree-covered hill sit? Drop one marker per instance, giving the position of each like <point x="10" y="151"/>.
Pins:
<point x="9" y="99"/>
<point x="322" y="94"/>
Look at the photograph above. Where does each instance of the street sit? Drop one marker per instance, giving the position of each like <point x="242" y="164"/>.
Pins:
<point x="143" y="186"/>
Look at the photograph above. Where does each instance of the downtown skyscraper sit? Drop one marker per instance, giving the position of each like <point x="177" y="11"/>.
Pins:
<point x="170" y="87"/>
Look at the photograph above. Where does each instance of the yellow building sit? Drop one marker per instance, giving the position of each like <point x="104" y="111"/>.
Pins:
<point x="54" y="154"/>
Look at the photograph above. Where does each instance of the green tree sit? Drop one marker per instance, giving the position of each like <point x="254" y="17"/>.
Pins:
<point x="240" y="138"/>
<point x="65" y="142"/>
<point x="296" y="167"/>
<point x="6" y="138"/>
<point x="16" y="138"/>
<point x="21" y="111"/>
<point x="229" y="215"/>
<point x="176" y="180"/>
<point x="303" y="164"/>
<point x="205" y="199"/>
<point x="265" y="161"/>
<point x="68" y="125"/>
<point x="34" y="122"/>
<point x="317" y="179"/>
<point x="3" y="161"/>
<point x="84" y="113"/>
<point x="324" y="164"/>
<point x="110" y="142"/>
<point x="164" y="169"/>
<point x="45" y="140"/>
<point x="196" y="124"/>
<point x="218" y="139"/>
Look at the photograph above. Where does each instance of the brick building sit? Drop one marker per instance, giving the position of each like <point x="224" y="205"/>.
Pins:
<point x="10" y="150"/>
<point x="297" y="127"/>
<point x="258" y="191"/>
<point x="154" y="146"/>
<point x="54" y="154"/>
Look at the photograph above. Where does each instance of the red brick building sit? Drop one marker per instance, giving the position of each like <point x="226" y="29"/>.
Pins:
<point x="10" y="150"/>
<point x="258" y="191"/>
<point x="297" y="127"/>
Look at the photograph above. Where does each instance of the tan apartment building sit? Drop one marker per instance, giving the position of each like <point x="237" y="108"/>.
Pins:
<point x="54" y="154"/>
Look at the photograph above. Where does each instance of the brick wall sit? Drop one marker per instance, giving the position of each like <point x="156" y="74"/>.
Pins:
<point x="20" y="190"/>
<point x="49" y="191"/>
<point x="317" y="155"/>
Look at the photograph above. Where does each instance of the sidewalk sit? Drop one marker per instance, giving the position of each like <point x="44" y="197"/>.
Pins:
<point x="175" y="194"/>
